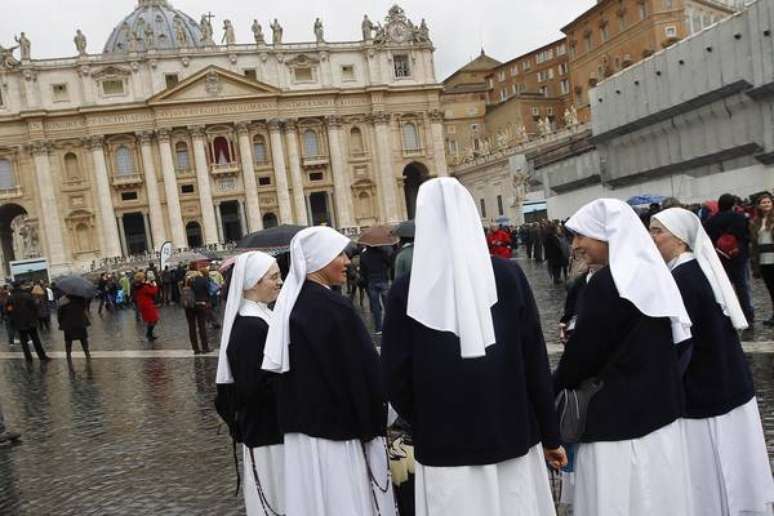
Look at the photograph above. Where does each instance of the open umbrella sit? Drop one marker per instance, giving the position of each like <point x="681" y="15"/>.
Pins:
<point x="278" y="237"/>
<point x="405" y="229"/>
<point x="645" y="199"/>
<point x="187" y="257"/>
<point x="376" y="236"/>
<point x="76" y="286"/>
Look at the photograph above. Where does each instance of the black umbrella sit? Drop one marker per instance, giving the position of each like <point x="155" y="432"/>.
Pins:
<point x="76" y="286"/>
<point x="405" y="229"/>
<point x="272" y="238"/>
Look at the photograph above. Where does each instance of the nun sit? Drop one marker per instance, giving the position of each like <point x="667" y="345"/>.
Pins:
<point x="331" y="402"/>
<point x="246" y="394"/>
<point x="726" y="448"/>
<point x="465" y="364"/>
<point x="631" y="458"/>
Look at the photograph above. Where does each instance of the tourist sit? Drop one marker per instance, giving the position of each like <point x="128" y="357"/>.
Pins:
<point x="44" y="310"/>
<point x="7" y="438"/>
<point x="145" y="298"/>
<point x="331" y="404"/>
<point x="194" y="297"/>
<point x="631" y="458"/>
<point x="730" y="233"/>
<point x="73" y="321"/>
<point x="525" y="234"/>
<point x="536" y="235"/>
<point x="557" y="252"/>
<point x="102" y="292"/>
<point x="246" y="395"/>
<point x="166" y="286"/>
<point x="125" y="285"/>
<point x="466" y="365"/>
<point x="729" y="466"/>
<point x="23" y="312"/>
<point x="5" y="293"/>
<point x="762" y="249"/>
<point x="405" y="256"/>
<point x="375" y="268"/>
<point x="499" y="242"/>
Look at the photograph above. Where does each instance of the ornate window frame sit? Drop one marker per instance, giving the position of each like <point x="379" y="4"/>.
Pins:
<point x="112" y="73"/>
<point x="304" y="61"/>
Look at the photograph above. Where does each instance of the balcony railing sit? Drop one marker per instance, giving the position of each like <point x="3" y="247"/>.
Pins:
<point x="413" y="152"/>
<point x="184" y="172"/>
<point x="11" y="192"/>
<point x="224" y="169"/>
<point x="127" y="181"/>
<point x="314" y="161"/>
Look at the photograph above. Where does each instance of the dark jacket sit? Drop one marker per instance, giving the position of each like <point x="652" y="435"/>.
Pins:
<point x="201" y="289"/>
<point x="71" y="314"/>
<point x="333" y="389"/>
<point x="734" y="223"/>
<point x="22" y="309"/>
<point x="375" y="265"/>
<point x="642" y="390"/>
<point x="472" y="411"/>
<point x="718" y="378"/>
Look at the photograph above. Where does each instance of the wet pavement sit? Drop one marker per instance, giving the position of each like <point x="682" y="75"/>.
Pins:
<point x="134" y="431"/>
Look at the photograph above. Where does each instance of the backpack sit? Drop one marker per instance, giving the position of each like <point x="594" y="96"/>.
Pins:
<point x="727" y="246"/>
<point x="212" y="287"/>
<point x="187" y="297"/>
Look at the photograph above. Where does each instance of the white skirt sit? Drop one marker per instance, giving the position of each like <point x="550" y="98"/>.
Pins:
<point x="513" y="487"/>
<point x="639" y="477"/>
<point x="730" y="470"/>
<point x="331" y="478"/>
<point x="270" y="466"/>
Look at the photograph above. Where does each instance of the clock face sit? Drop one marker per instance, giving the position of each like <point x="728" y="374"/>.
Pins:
<point x="398" y="31"/>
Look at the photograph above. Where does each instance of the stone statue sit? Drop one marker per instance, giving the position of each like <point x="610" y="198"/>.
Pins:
<point x="424" y="32"/>
<point x="80" y="42"/>
<point x="523" y="136"/>
<point x="150" y="38"/>
<point x="228" y="33"/>
<point x="6" y="57"/>
<point x="276" y="33"/>
<point x="28" y="234"/>
<point x="573" y="116"/>
<point x="545" y="127"/>
<point x="139" y="29"/>
<point x="258" y="33"/>
<point x="381" y="34"/>
<point x="24" y="46"/>
<point x="134" y="42"/>
<point x="318" y="31"/>
<point x="367" y="27"/>
<point x="205" y="26"/>
<point x="181" y="36"/>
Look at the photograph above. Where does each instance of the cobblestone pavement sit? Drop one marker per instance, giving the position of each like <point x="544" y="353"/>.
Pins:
<point x="134" y="431"/>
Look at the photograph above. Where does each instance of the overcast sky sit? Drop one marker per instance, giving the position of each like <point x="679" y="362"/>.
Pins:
<point x="458" y="28"/>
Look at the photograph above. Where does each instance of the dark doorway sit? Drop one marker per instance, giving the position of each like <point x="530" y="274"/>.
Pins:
<point x="134" y="232"/>
<point x="231" y="221"/>
<point x="269" y="220"/>
<point x="413" y="176"/>
<point x="193" y="233"/>
<point x="8" y="212"/>
<point x="318" y="203"/>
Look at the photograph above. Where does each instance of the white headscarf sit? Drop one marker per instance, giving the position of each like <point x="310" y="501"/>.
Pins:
<point x="249" y="268"/>
<point x="687" y="227"/>
<point x="452" y="282"/>
<point x="310" y="250"/>
<point x="639" y="272"/>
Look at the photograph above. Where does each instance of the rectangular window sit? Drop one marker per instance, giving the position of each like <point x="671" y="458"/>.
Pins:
<point x="550" y="73"/>
<point x="113" y="87"/>
<point x="542" y="76"/>
<point x="128" y="196"/>
<point x="491" y="83"/>
<point x="264" y="181"/>
<point x="561" y="50"/>
<point x="316" y="176"/>
<point x="526" y="65"/>
<point x="514" y="89"/>
<point x="483" y="207"/>
<point x="501" y="76"/>
<point x="304" y="74"/>
<point x="348" y="73"/>
<point x="503" y="94"/>
<point x="621" y="22"/>
<point x="572" y="52"/>
<point x="668" y="4"/>
<point x="250" y="74"/>
<point x="565" y="86"/>
<point x="545" y="91"/>
<point x="60" y="92"/>
<point x="671" y="31"/>
<point x="564" y="68"/>
<point x="514" y="70"/>
<point x="500" y="210"/>
<point x="643" y="10"/>
<point x="171" y="80"/>
<point x="187" y="189"/>
<point x="401" y="64"/>
<point x="535" y="111"/>
<point x="453" y="148"/>
<point x="587" y="40"/>
<point x="605" y="33"/>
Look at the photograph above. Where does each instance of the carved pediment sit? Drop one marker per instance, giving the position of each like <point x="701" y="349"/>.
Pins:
<point x="302" y="60"/>
<point x="213" y="83"/>
<point x="111" y="71"/>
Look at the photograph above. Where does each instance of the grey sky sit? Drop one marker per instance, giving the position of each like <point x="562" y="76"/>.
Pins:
<point x="506" y="28"/>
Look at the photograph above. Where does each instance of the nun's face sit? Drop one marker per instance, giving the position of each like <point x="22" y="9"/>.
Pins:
<point x="268" y="288"/>
<point x="335" y="273"/>
<point x="590" y="250"/>
<point x="668" y="245"/>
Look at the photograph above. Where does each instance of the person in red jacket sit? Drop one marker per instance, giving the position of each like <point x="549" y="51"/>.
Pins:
<point x="145" y="297"/>
<point x="499" y="242"/>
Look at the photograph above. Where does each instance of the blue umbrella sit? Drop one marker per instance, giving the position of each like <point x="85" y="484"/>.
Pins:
<point x="644" y="199"/>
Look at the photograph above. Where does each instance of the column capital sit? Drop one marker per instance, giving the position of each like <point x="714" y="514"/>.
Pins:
<point x="95" y="142"/>
<point x="275" y="124"/>
<point x="290" y="124"/>
<point x="39" y="147"/>
<point x="243" y="127"/>
<point x="144" y="137"/>
<point x="197" y="131"/>
<point x="436" y="115"/>
<point x="380" y="117"/>
<point x="164" y="135"/>
<point x="333" y="121"/>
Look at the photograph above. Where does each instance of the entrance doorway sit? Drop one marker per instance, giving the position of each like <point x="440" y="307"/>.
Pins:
<point x="269" y="220"/>
<point x="8" y="214"/>
<point x="231" y="221"/>
<point x="413" y="176"/>
<point x="193" y="233"/>
<point x="134" y="232"/>
<point x="318" y="205"/>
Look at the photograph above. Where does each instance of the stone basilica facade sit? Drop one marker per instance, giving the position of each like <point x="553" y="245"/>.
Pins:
<point x="167" y="135"/>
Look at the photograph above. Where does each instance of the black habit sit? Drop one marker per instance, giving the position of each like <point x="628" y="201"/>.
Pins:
<point x="718" y="378"/>
<point x="333" y="389"/>
<point x="472" y="411"/>
<point x="642" y="390"/>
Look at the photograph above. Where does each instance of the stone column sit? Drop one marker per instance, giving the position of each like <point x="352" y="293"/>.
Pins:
<point x="158" y="232"/>
<point x="150" y="242"/>
<point x="243" y="218"/>
<point x="219" y="222"/>
<point x="384" y="160"/>
<point x="111" y="242"/>
<point x="48" y="220"/>
<point x="203" y="182"/>
<point x="254" y="221"/>
<point x="280" y="175"/>
<point x="296" y="177"/>
<point x="439" y="149"/>
<point x="122" y="235"/>
<point x="342" y="191"/>
<point x="170" y="189"/>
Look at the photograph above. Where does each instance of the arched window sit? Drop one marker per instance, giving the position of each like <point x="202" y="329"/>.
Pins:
<point x="410" y="136"/>
<point x="7" y="178"/>
<point x="193" y="233"/>
<point x="222" y="150"/>
<point x="124" y="161"/>
<point x="269" y="220"/>
<point x="259" y="148"/>
<point x="311" y="147"/>
<point x="183" y="160"/>
<point x="72" y="170"/>
<point x="363" y="204"/>
<point x="356" y="141"/>
<point x="82" y="237"/>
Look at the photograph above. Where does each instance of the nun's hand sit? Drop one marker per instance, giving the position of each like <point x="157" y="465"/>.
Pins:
<point x="556" y="458"/>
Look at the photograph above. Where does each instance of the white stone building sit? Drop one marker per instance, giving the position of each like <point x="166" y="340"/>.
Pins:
<point x="166" y="135"/>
